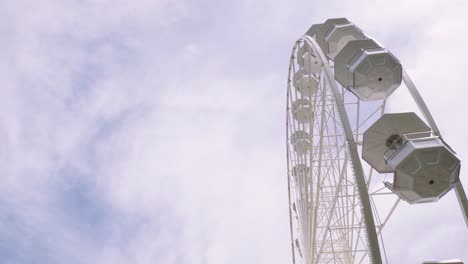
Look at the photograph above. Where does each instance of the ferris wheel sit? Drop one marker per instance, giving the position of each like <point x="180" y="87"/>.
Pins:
<point x="350" y="161"/>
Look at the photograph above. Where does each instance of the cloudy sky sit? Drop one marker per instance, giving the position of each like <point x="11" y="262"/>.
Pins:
<point x="153" y="131"/>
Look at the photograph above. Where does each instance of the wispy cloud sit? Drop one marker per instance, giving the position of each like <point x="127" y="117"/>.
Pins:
<point x="153" y="131"/>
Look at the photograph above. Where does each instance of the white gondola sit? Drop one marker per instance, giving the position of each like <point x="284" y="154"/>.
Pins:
<point x="305" y="83"/>
<point x="301" y="142"/>
<point x="302" y="111"/>
<point x="368" y="70"/>
<point x="339" y="35"/>
<point x="425" y="168"/>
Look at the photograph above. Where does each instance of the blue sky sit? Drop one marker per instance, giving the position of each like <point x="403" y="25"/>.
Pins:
<point x="153" y="131"/>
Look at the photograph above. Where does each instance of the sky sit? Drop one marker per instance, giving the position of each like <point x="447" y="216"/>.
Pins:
<point x="154" y="131"/>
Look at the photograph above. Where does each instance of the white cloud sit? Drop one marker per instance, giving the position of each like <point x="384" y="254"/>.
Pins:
<point x="154" y="131"/>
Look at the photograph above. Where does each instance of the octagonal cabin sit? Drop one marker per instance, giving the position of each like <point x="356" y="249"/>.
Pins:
<point x="305" y="83"/>
<point x="302" y="111"/>
<point x="367" y="70"/>
<point x="300" y="172"/>
<point x="339" y="35"/>
<point x="424" y="166"/>
<point x="300" y="141"/>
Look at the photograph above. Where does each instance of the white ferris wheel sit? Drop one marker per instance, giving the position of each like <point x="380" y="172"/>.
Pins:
<point x="342" y="142"/>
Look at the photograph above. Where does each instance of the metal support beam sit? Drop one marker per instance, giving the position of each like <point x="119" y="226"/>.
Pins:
<point x="369" y="223"/>
<point x="420" y="102"/>
<point x="319" y="174"/>
<point x="460" y="192"/>
<point x="289" y="183"/>
<point x="461" y="197"/>
<point x="332" y="209"/>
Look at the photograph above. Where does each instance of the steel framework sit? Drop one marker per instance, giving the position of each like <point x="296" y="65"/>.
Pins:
<point x="337" y="212"/>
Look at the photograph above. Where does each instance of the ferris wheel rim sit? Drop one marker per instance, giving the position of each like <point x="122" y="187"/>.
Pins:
<point x="349" y="138"/>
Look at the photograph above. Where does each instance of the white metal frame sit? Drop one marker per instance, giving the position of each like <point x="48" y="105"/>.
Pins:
<point x="330" y="208"/>
<point x="336" y="200"/>
<point x="459" y="191"/>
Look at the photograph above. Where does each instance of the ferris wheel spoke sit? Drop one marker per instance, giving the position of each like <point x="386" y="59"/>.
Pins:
<point x="332" y="211"/>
